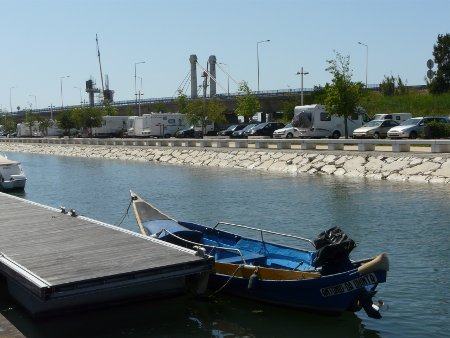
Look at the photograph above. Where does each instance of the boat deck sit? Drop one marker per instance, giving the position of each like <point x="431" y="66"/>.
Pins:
<point x="59" y="261"/>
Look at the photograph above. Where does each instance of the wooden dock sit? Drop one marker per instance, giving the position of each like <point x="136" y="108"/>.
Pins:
<point x="53" y="261"/>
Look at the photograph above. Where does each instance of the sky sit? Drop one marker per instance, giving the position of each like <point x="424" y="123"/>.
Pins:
<point x="48" y="47"/>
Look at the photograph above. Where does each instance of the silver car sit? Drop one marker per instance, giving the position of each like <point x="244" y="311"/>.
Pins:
<point x="414" y="127"/>
<point x="374" y="129"/>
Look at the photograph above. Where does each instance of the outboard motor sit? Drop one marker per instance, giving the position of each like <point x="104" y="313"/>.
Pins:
<point x="333" y="249"/>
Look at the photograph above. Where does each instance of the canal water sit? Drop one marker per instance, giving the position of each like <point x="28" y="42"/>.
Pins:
<point x="408" y="221"/>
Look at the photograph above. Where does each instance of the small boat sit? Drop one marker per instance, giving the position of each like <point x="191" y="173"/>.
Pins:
<point x="322" y="280"/>
<point x="12" y="176"/>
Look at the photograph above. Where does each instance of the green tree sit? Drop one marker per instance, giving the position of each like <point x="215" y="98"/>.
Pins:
<point x="441" y="52"/>
<point x="182" y="102"/>
<point x="391" y="86"/>
<point x="44" y="124"/>
<point x="89" y="117"/>
<point x="200" y="112"/>
<point x="30" y="118"/>
<point x="108" y="109"/>
<point x="288" y="107"/>
<point x="247" y="103"/>
<point x="66" y="121"/>
<point x="342" y="95"/>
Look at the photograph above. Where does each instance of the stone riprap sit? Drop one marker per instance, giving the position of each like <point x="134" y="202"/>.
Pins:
<point x="379" y="166"/>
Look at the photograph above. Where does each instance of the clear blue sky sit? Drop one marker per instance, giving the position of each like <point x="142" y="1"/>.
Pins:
<point x="43" y="40"/>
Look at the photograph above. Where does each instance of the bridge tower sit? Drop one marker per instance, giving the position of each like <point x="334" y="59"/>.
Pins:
<point x="212" y="70"/>
<point x="193" y="60"/>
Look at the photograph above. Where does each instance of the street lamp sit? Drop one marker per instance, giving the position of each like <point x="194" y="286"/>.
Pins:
<point x="10" y="105"/>
<point x="302" y="73"/>
<point x="140" y="93"/>
<point x="136" y="63"/>
<point x="51" y="111"/>
<point x="35" y="101"/>
<point x="81" y="98"/>
<point x="257" y="56"/>
<point x="61" y="79"/>
<point x="367" y="58"/>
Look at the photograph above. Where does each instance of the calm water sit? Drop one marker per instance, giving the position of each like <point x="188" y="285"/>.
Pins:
<point x="408" y="221"/>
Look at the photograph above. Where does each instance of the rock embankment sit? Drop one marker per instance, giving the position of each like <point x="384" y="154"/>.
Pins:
<point x="380" y="166"/>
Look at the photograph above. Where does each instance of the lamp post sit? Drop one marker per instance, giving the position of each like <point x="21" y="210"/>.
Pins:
<point x="10" y="105"/>
<point x="257" y="56"/>
<point x="367" y="58"/>
<point x="81" y="98"/>
<point x="139" y="94"/>
<point x="51" y="111"/>
<point x="301" y="73"/>
<point x="61" y="80"/>
<point x="136" y="63"/>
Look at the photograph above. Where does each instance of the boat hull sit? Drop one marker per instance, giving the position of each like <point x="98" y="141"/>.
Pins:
<point x="328" y="294"/>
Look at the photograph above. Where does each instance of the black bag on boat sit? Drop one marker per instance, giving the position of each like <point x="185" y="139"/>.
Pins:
<point x="333" y="248"/>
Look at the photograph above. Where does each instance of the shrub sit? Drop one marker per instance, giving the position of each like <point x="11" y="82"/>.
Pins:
<point x="437" y="130"/>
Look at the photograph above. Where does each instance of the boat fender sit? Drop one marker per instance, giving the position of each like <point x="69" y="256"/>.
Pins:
<point x="253" y="279"/>
<point x="199" y="251"/>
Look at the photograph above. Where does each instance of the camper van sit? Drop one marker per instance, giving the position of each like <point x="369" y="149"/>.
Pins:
<point x="112" y="126"/>
<point x="313" y="121"/>
<point x="156" y="125"/>
<point x="399" y="117"/>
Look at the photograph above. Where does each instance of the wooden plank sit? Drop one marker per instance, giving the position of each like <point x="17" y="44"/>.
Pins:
<point x="62" y="249"/>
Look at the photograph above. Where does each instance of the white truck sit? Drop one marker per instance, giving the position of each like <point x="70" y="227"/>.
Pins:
<point x="112" y="126"/>
<point x="313" y="121"/>
<point x="157" y="125"/>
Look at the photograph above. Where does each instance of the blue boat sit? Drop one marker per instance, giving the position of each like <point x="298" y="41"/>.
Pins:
<point x="322" y="280"/>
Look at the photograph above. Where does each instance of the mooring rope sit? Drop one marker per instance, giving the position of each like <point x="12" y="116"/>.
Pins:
<point x="125" y="214"/>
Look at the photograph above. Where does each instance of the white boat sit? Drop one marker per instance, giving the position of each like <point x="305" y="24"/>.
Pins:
<point x="12" y="176"/>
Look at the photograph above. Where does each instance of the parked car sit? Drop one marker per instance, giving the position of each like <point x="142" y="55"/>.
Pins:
<point x="188" y="133"/>
<point x="374" y="129"/>
<point x="231" y="129"/>
<point x="288" y="131"/>
<point x="414" y="127"/>
<point x="241" y="133"/>
<point x="265" y="129"/>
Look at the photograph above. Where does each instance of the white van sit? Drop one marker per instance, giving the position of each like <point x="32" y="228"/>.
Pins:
<point x="313" y="121"/>
<point x="399" y="117"/>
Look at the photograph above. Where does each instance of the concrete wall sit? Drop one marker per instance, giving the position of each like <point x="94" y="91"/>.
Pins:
<point x="394" y="167"/>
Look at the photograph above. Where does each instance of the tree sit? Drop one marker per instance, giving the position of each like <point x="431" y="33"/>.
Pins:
<point x="441" y="52"/>
<point x="30" y="118"/>
<point x="44" y="124"/>
<point x="342" y="95"/>
<point x="200" y="112"/>
<point x="66" y="120"/>
<point x="288" y="107"/>
<point x="182" y="102"/>
<point x="89" y="117"/>
<point x="247" y="103"/>
<point x="391" y="86"/>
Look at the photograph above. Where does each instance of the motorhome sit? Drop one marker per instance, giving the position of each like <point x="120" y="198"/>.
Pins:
<point x="313" y="121"/>
<point x="112" y="126"/>
<point x="399" y="117"/>
<point x="157" y="125"/>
